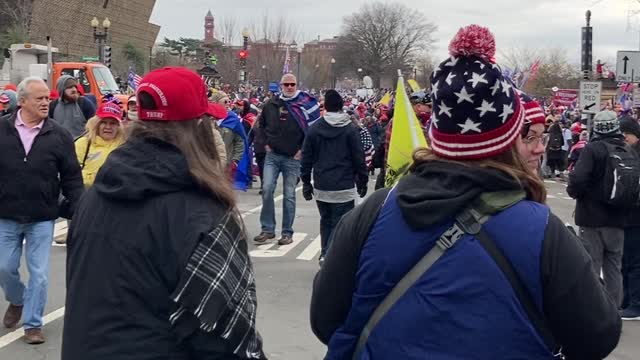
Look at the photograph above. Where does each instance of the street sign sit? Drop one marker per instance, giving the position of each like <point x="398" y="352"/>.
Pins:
<point x="90" y="58"/>
<point x="590" y="93"/>
<point x="628" y="66"/>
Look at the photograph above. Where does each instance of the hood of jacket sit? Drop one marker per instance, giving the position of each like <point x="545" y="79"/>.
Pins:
<point x="143" y="168"/>
<point x="437" y="191"/>
<point x="60" y="84"/>
<point x="333" y="125"/>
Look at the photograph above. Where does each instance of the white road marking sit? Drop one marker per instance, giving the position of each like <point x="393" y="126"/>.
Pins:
<point x="279" y="251"/>
<point x="60" y="228"/>
<point x="312" y="250"/>
<point x="549" y="196"/>
<point x="19" y="333"/>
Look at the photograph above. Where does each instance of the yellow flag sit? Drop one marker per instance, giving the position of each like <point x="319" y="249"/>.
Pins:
<point x="406" y="136"/>
<point x="386" y="99"/>
<point x="414" y="85"/>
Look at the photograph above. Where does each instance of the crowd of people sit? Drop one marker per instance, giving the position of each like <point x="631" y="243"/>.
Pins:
<point x="157" y="252"/>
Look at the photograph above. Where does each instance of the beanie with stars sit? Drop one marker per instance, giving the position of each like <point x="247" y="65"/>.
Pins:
<point x="477" y="113"/>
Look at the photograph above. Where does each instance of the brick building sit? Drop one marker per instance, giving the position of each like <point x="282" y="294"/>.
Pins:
<point x="68" y="24"/>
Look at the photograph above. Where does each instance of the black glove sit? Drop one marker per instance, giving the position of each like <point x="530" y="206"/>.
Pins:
<point x="307" y="191"/>
<point x="362" y="191"/>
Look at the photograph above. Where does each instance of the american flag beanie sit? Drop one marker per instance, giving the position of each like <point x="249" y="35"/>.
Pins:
<point x="477" y="113"/>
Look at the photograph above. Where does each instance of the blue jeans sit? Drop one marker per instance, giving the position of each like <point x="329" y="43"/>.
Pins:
<point x="330" y="215"/>
<point x="38" y="236"/>
<point x="274" y="164"/>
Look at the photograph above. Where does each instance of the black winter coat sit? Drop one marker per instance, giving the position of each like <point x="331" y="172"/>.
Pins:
<point x="336" y="157"/>
<point x="129" y="241"/>
<point x="30" y="184"/>
<point x="585" y="184"/>
<point x="632" y="218"/>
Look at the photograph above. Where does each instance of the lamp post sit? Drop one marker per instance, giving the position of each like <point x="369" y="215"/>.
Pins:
<point x="587" y="48"/>
<point x="266" y="80"/>
<point x="315" y="76"/>
<point x="333" y="72"/>
<point x="243" y="61"/>
<point x="299" y="49"/>
<point x="101" y="37"/>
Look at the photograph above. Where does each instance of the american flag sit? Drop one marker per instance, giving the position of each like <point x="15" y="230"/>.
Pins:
<point x="287" y="61"/>
<point x="133" y="79"/>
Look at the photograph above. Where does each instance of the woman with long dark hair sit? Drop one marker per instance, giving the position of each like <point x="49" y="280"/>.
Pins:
<point x="462" y="259"/>
<point x="158" y="266"/>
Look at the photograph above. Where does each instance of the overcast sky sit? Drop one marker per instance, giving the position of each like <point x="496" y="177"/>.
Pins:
<point x="515" y="23"/>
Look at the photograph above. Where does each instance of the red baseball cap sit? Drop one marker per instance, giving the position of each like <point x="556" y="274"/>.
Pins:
<point x="216" y="110"/>
<point x="109" y="110"/>
<point x="10" y="87"/>
<point x="178" y="93"/>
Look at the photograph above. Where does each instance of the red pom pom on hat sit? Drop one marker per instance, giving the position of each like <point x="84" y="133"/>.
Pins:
<point x="474" y="40"/>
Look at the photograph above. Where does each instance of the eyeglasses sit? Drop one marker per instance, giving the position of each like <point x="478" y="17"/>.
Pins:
<point x="288" y="84"/>
<point x="532" y="140"/>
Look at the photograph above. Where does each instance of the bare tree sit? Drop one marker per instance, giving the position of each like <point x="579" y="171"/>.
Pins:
<point x="382" y="38"/>
<point x="228" y="30"/>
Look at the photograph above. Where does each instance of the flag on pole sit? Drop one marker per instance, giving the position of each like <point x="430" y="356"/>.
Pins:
<point x="406" y="136"/>
<point x="386" y="99"/>
<point x="133" y="79"/>
<point x="287" y="62"/>
<point x="415" y="87"/>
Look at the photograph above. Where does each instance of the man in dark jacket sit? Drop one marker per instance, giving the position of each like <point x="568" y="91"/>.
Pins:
<point x="601" y="225"/>
<point x="631" y="254"/>
<point x="332" y="150"/>
<point x="285" y="120"/>
<point x="38" y="160"/>
<point x="71" y="110"/>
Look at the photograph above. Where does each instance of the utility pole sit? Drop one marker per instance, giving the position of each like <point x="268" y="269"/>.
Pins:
<point x="587" y="48"/>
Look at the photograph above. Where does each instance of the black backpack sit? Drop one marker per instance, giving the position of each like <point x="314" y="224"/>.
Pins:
<point x="621" y="178"/>
<point x="556" y="140"/>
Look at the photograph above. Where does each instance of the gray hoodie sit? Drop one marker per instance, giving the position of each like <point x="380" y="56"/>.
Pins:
<point x="68" y="114"/>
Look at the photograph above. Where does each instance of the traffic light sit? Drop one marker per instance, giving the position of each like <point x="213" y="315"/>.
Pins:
<point x="243" y="54"/>
<point x="106" y="55"/>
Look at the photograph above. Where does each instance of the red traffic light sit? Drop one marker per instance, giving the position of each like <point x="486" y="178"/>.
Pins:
<point x="243" y="54"/>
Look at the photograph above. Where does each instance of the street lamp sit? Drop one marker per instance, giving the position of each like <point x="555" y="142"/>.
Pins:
<point x="266" y="80"/>
<point x="299" y="49"/>
<point x="101" y="37"/>
<point x="245" y="33"/>
<point x="333" y="71"/>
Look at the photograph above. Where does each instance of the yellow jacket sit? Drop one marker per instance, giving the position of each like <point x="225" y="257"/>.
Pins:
<point x="98" y="153"/>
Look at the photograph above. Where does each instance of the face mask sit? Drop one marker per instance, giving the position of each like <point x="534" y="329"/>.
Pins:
<point x="132" y="115"/>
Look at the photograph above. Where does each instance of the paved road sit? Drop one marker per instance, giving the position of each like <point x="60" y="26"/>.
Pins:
<point x="284" y="275"/>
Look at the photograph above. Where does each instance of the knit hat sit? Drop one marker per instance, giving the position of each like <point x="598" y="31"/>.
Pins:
<point x="606" y="122"/>
<point x="630" y="126"/>
<point x="333" y="101"/>
<point x="178" y="94"/>
<point x="476" y="111"/>
<point x="217" y="96"/>
<point x="9" y="97"/>
<point x="533" y="112"/>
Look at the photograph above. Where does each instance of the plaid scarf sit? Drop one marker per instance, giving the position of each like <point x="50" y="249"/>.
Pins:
<point x="218" y="287"/>
<point x="304" y="108"/>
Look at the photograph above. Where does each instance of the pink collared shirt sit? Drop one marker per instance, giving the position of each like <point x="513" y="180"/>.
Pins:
<point x="27" y="134"/>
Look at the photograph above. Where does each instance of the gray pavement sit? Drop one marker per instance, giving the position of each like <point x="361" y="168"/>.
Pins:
<point x="284" y="275"/>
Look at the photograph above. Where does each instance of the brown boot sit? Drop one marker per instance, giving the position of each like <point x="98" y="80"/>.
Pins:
<point x="285" y="240"/>
<point x="263" y="237"/>
<point x="12" y="316"/>
<point x="33" y="336"/>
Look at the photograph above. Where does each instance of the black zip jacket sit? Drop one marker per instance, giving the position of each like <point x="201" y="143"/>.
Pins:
<point x="129" y="241"/>
<point x="580" y="314"/>
<point x="585" y="185"/>
<point x="30" y="184"/>
<point x="335" y="156"/>
<point x="281" y="130"/>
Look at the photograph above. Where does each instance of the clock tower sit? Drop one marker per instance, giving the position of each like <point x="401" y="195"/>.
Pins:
<point x="209" y="28"/>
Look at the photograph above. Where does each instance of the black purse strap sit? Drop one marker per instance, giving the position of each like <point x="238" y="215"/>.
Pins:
<point x="86" y="153"/>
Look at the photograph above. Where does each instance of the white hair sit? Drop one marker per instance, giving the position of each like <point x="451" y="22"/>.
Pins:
<point x="22" y="87"/>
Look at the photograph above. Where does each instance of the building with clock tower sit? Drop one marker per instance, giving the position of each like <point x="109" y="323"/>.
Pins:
<point x="209" y="28"/>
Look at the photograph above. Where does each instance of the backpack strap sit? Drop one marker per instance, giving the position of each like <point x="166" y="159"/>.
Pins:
<point x="469" y="221"/>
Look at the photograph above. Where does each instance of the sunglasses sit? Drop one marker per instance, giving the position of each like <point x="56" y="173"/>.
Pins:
<point x="289" y="84"/>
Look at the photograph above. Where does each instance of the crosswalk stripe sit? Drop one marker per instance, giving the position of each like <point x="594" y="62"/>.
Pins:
<point x="281" y="250"/>
<point x="312" y="250"/>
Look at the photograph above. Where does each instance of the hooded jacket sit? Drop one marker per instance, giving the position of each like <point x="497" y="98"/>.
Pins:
<point x="332" y="150"/>
<point x="72" y="116"/>
<point x="129" y="241"/>
<point x="462" y="307"/>
<point x="585" y="185"/>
